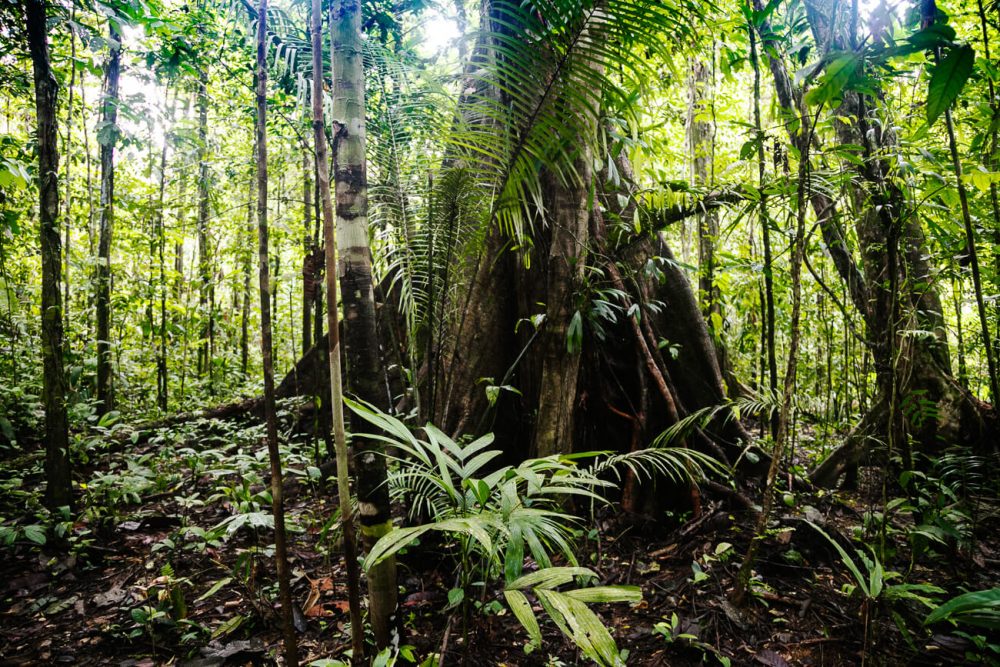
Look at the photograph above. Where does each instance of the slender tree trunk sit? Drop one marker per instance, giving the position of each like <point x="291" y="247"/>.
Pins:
<point x="973" y="255"/>
<point x="161" y="242"/>
<point x="206" y="290"/>
<point x="356" y="289"/>
<point x="701" y="139"/>
<point x="247" y="252"/>
<point x="333" y="353"/>
<point x="765" y="226"/>
<point x="109" y="118"/>
<point x="309" y="250"/>
<point x="270" y="411"/>
<point x="67" y="151"/>
<point x="956" y="290"/>
<point x="741" y="589"/>
<point x="58" y="491"/>
<point x="992" y="162"/>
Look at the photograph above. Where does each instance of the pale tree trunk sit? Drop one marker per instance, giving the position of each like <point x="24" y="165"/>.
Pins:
<point x="333" y="349"/>
<point x="270" y="410"/>
<point x="58" y="490"/>
<point x="108" y="139"/>
<point x="701" y="147"/>
<point x="366" y="381"/>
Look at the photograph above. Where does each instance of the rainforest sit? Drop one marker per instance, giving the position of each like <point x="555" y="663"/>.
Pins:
<point x="499" y="332"/>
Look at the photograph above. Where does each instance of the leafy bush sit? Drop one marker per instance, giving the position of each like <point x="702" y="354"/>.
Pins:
<point x="500" y="516"/>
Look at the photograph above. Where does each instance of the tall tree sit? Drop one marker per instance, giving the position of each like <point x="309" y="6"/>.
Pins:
<point x="107" y="137"/>
<point x="267" y="353"/>
<point x="58" y="491"/>
<point x="333" y="331"/>
<point x="206" y="288"/>
<point x="364" y="373"/>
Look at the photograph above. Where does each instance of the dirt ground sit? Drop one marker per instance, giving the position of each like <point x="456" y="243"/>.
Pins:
<point x="92" y="600"/>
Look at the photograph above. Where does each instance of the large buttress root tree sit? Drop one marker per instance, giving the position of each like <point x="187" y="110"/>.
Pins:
<point x="502" y="288"/>
<point x="58" y="491"/>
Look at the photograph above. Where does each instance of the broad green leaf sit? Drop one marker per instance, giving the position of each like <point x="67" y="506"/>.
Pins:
<point x="35" y="533"/>
<point x="521" y="608"/>
<point x="978" y="602"/>
<point x="948" y="79"/>
<point x="835" y="79"/>
<point x="631" y="594"/>
<point x="550" y="577"/>
<point x="214" y="589"/>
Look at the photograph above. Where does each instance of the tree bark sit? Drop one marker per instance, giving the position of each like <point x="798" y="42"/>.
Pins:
<point x="365" y="378"/>
<point x="270" y="411"/>
<point x="58" y="490"/>
<point x="107" y="137"/>
<point x="569" y="230"/>
<point x="887" y="222"/>
<point x="333" y="315"/>
<point x="206" y="290"/>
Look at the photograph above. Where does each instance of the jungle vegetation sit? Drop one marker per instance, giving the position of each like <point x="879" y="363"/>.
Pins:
<point x="538" y="332"/>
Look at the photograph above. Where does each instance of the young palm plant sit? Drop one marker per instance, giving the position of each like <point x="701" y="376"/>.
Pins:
<point x="500" y="515"/>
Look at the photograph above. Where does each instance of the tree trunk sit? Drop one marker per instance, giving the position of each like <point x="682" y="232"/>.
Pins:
<point x="366" y="380"/>
<point x="206" y="290"/>
<point x="247" y="253"/>
<point x="310" y="250"/>
<point x="58" y="491"/>
<point x="107" y="138"/>
<point x="887" y="222"/>
<point x="270" y="411"/>
<point x="161" y="358"/>
<point x="765" y="230"/>
<point x="563" y="336"/>
<point x="336" y="392"/>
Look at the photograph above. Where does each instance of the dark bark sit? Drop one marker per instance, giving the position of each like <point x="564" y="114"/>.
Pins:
<point x="107" y="138"/>
<point x="58" y="491"/>
<point x="568" y="238"/>
<point x="310" y="255"/>
<point x="270" y="411"/>
<point x="161" y="356"/>
<point x="206" y="288"/>
<point x="767" y="319"/>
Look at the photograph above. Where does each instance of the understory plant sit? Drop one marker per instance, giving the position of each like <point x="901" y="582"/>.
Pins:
<point x="500" y="515"/>
<point x="874" y="584"/>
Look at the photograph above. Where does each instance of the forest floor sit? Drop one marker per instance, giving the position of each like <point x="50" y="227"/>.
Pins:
<point x="169" y="564"/>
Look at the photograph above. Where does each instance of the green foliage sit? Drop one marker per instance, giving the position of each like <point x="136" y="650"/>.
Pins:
<point x="948" y="79"/>
<point x="569" y="610"/>
<point x="977" y="608"/>
<point x="500" y="515"/>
